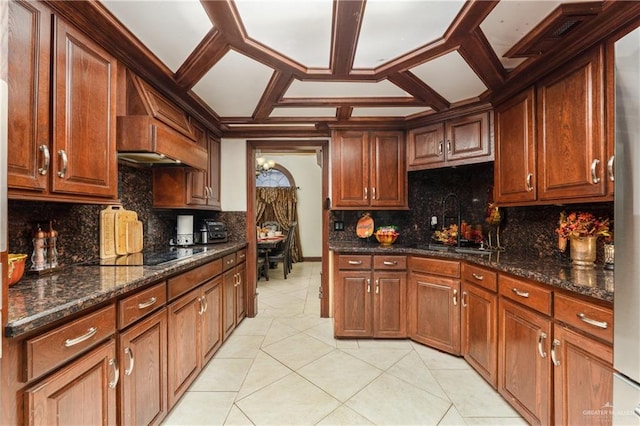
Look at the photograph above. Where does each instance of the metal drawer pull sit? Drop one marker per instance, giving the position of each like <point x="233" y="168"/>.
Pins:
<point x="368" y="285"/>
<point x="89" y="334"/>
<point x="595" y="323"/>
<point x="129" y="353"/>
<point x="148" y="303"/>
<point x="116" y="373"/>
<point x="520" y="293"/>
<point x="594" y="176"/>
<point x="455" y="297"/>
<point x="554" y="346"/>
<point x="477" y="277"/>
<point x="610" y="168"/>
<point x="355" y="262"/>
<point x="464" y="299"/>
<point x="541" y="351"/>
<point x="47" y="159"/>
<point x="377" y="286"/>
<point x="528" y="182"/>
<point x="390" y="263"/>
<point x="65" y="162"/>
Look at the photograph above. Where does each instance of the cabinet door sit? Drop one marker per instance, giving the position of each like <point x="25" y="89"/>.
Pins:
<point x="426" y="146"/>
<point x="353" y="311"/>
<point x="214" y="174"/>
<point x="524" y="369"/>
<point x="435" y="318"/>
<point x="83" y="393"/>
<point x="479" y="335"/>
<point x="211" y="318"/>
<point x="28" y="96"/>
<point x="84" y="145"/>
<point x="241" y="271"/>
<point x="183" y="356"/>
<point x="143" y="371"/>
<point x="196" y="186"/>
<point x="583" y="379"/>
<point x="229" y="281"/>
<point x="571" y="142"/>
<point x="389" y="308"/>
<point x="350" y="169"/>
<point x="388" y="170"/>
<point x="469" y="137"/>
<point x="515" y="164"/>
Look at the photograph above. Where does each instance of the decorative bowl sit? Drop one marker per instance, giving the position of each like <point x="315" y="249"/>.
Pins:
<point x="16" y="267"/>
<point x="386" y="238"/>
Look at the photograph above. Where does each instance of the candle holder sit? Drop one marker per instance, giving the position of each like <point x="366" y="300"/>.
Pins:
<point x="609" y="255"/>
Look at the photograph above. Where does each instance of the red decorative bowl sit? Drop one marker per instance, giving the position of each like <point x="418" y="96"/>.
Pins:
<point x="386" y="238"/>
<point x="16" y="267"/>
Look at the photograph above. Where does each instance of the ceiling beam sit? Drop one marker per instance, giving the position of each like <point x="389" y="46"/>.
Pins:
<point x="347" y="20"/>
<point x="411" y="84"/>
<point x="210" y="50"/>
<point x="276" y="88"/>
<point x="479" y="54"/>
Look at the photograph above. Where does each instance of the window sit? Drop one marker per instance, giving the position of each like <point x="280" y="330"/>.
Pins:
<point x="274" y="178"/>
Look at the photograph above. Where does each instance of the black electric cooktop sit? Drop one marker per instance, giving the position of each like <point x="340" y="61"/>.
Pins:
<point x="147" y="258"/>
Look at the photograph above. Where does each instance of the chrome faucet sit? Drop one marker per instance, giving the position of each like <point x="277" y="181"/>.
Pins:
<point x="457" y="213"/>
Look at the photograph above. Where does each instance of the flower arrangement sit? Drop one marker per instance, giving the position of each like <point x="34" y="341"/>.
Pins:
<point x="582" y="224"/>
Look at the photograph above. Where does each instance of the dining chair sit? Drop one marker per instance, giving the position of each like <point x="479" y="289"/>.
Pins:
<point x="284" y="255"/>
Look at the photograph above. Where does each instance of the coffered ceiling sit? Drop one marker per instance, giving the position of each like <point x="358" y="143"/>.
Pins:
<point x="288" y="66"/>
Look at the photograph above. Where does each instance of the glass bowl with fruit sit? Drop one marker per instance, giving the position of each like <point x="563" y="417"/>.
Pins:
<point x="387" y="235"/>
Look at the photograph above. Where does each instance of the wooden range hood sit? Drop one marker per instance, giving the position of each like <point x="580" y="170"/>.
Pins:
<point x="152" y="130"/>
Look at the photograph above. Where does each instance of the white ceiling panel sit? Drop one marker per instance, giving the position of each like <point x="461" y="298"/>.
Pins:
<point x="392" y="28"/>
<point x="234" y="85"/>
<point x="170" y="29"/>
<point x="341" y="89"/>
<point x="438" y="75"/>
<point x="300" y="30"/>
<point x="387" y="111"/>
<point x="303" y="112"/>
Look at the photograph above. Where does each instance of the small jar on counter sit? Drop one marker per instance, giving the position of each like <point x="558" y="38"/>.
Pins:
<point x="39" y="255"/>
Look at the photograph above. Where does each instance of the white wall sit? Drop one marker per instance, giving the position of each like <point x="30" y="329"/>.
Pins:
<point x="233" y="175"/>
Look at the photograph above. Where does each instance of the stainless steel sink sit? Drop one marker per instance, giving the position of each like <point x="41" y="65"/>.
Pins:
<point x="471" y="250"/>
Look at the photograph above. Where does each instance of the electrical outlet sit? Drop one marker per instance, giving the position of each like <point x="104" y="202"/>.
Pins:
<point x="338" y="225"/>
<point x="434" y="223"/>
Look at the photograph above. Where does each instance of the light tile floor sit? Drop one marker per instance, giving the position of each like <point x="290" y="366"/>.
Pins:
<point x="284" y="367"/>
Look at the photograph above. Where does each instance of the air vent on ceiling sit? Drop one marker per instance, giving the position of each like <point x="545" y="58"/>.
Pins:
<point x="563" y="20"/>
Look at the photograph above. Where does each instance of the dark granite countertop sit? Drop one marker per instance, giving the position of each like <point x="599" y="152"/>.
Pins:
<point x="36" y="301"/>
<point x="596" y="283"/>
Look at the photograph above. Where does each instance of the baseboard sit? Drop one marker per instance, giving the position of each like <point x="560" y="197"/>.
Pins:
<point x="312" y="259"/>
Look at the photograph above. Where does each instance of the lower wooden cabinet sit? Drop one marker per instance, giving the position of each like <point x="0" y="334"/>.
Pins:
<point x="82" y="393"/>
<point x="143" y="371"/>
<point x="233" y="291"/>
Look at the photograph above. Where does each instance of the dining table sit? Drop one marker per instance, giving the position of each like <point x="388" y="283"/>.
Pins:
<point x="265" y="245"/>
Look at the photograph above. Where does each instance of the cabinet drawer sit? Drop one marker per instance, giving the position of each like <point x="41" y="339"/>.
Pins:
<point x="480" y="276"/>
<point x="353" y="261"/>
<point x="390" y="262"/>
<point x="534" y="296"/>
<point x="447" y="268"/>
<point x="241" y="256"/>
<point x="228" y="262"/>
<point x="140" y="304"/>
<point x="186" y="281"/>
<point x="54" y="348"/>
<point x="585" y="316"/>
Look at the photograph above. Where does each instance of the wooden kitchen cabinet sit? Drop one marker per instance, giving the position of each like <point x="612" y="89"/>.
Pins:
<point x="62" y="89"/>
<point x="524" y="344"/>
<point x="479" y="321"/>
<point x="234" y="290"/>
<point x="368" y="169"/>
<point x="81" y="393"/>
<point x="434" y="308"/>
<point x="370" y="296"/>
<point x="462" y="140"/>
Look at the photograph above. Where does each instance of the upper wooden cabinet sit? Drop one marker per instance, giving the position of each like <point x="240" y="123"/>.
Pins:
<point x="463" y="140"/>
<point x="368" y="170"/>
<point x="551" y="145"/>
<point x="62" y="93"/>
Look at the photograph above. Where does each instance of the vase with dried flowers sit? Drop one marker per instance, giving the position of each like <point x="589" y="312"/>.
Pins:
<point x="582" y="229"/>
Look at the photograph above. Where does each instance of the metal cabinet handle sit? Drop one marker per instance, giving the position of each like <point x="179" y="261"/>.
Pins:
<point x="201" y="309"/>
<point x="594" y="176"/>
<point x="448" y="146"/>
<point x="477" y="277"/>
<point x="129" y="353"/>
<point x="368" y="285"/>
<point x="203" y="301"/>
<point x="47" y="159"/>
<point x="373" y="193"/>
<point x="541" y="351"/>
<point x="366" y="193"/>
<point x="355" y="262"/>
<point x="529" y="182"/>
<point x="595" y="323"/>
<point x="89" y="334"/>
<point x="554" y="346"/>
<point x="116" y="373"/>
<point x="148" y="303"/>
<point x="524" y="294"/>
<point x="377" y="286"/>
<point x="464" y="299"/>
<point x="390" y="262"/>
<point x="440" y="147"/>
<point x="455" y="297"/>
<point x="610" y="168"/>
<point x="65" y="162"/>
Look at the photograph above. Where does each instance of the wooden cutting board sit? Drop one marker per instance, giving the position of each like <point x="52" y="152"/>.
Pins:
<point x="122" y="219"/>
<point x="108" y="231"/>
<point x="134" y="236"/>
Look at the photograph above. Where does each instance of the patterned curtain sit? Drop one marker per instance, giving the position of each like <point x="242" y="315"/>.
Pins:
<point x="281" y="205"/>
